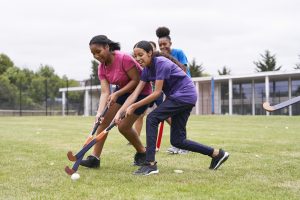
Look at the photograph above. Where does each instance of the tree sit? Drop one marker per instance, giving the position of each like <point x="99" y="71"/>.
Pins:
<point x="12" y="74"/>
<point x="196" y="70"/>
<point x="45" y="71"/>
<point x="224" y="71"/>
<point x="21" y="81"/>
<point x="8" y="93"/>
<point x="298" y="64"/>
<point x="45" y="77"/>
<point x="268" y="63"/>
<point x="94" y="75"/>
<point x="23" y="86"/>
<point x="5" y="63"/>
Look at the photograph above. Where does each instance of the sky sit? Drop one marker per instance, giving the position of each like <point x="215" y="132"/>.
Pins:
<point x="216" y="33"/>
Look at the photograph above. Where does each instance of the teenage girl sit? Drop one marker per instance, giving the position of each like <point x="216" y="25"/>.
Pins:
<point x="122" y="70"/>
<point x="165" y="44"/>
<point x="181" y="97"/>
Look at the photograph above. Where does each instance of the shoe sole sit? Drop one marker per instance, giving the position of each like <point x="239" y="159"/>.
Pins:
<point x="183" y="152"/>
<point x="172" y="152"/>
<point x="222" y="160"/>
<point x="153" y="172"/>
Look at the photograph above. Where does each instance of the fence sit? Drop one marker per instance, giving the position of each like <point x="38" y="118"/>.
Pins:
<point x="27" y="103"/>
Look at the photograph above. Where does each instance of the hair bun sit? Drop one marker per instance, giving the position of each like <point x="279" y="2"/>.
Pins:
<point x="162" y="32"/>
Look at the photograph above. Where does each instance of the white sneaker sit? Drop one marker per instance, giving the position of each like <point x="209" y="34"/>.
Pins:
<point x="182" y="151"/>
<point x="173" y="150"/>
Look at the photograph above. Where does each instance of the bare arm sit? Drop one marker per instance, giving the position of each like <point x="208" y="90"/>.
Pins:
<point x="148" y="99"/>
<point x="105" y="92"/>
<point x="132" y="98"/>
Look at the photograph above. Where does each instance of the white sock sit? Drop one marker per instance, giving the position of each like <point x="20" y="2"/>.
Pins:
<point x="96" y="157"/>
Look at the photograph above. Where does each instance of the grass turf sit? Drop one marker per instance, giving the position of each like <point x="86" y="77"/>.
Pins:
<point x="264" y="161"/>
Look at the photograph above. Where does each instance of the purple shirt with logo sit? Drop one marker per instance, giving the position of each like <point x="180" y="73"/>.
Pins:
<point x="177" y="85"/>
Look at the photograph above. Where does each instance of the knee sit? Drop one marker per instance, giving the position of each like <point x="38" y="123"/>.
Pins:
<point x="123" y="128"/>
<point x="152" y="119"/>
<point x="102" y="126"/>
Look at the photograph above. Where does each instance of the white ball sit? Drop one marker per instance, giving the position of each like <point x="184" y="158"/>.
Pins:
<point x="75" y="176"/>
<point x="178" y="171"/>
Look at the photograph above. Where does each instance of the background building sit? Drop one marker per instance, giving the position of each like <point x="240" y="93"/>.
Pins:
<point x="225" y="95"/>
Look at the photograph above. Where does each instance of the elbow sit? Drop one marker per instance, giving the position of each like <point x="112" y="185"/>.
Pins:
<point x="157" y="94"/>
<point x="136" y="82"/>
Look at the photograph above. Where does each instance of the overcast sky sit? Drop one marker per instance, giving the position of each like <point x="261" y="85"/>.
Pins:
<point x="216" y="33"/>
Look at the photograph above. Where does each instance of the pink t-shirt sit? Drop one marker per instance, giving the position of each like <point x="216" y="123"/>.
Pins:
<point x="116" y="73"/>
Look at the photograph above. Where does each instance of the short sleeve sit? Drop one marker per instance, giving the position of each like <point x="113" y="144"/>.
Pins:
<point x="182" y="58"/>
<point x="163" y="70"/>
<point x="128" y="63"/>
<point x="144" y="76"/>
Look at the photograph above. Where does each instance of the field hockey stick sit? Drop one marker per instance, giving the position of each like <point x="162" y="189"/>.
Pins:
<point x="90" y="136"/>
<point x="159" y="137"/>
<point x="81" y="153"/>
<point x="289" y="102"/>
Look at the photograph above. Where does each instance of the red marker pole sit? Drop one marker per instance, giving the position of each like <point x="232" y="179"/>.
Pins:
<point x="159" y="137"/>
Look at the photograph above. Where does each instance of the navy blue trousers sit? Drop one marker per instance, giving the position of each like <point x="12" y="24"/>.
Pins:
<point x="179" y="113"/>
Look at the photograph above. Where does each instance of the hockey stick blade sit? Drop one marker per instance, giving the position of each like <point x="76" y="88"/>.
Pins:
<point x="281" y="105"/>
<point x="71" y="156"/>
<point x="268" y="107"/>
<point x="69" y="171"/>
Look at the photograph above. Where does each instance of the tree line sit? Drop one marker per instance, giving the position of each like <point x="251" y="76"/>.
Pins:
<point x="28" y="88"/>
<point x="44" y="84"/>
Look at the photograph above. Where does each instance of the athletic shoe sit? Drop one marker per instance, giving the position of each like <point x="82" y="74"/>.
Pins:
<point x="173" y="150"/>
<point x="147" y="169"/>
<point x="183" y="151"/>
<point x="139" y="159"/>
<point x="91" y="162"/>
<point x="217" y="161"/>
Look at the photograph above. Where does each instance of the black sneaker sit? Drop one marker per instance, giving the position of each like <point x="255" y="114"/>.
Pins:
<point x="217" y="161"/>
<point x="91" y="162"/>
<point x="147" y="169"/>
<point x="139" y="159"/>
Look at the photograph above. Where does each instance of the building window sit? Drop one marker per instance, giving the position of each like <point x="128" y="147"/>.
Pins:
<point x="295" y="93"/>
<point x="224" y="98"/>
<point x="279" y="92"/>
<point x="242" y="96"/>
<point x="260" y="98"/>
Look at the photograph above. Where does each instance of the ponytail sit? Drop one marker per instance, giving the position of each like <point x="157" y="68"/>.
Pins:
<point x="103" y="40"/>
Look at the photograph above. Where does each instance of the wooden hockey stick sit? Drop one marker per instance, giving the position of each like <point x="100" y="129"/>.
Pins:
<point x="78" y="157"/>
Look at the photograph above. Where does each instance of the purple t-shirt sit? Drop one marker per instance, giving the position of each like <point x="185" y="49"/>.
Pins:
<point x="177" y="85"/>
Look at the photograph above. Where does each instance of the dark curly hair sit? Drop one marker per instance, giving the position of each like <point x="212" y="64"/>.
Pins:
<point x="163" y="32"/>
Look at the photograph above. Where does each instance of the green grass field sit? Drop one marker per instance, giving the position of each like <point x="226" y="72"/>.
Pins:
<point x="264" y="161"/>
